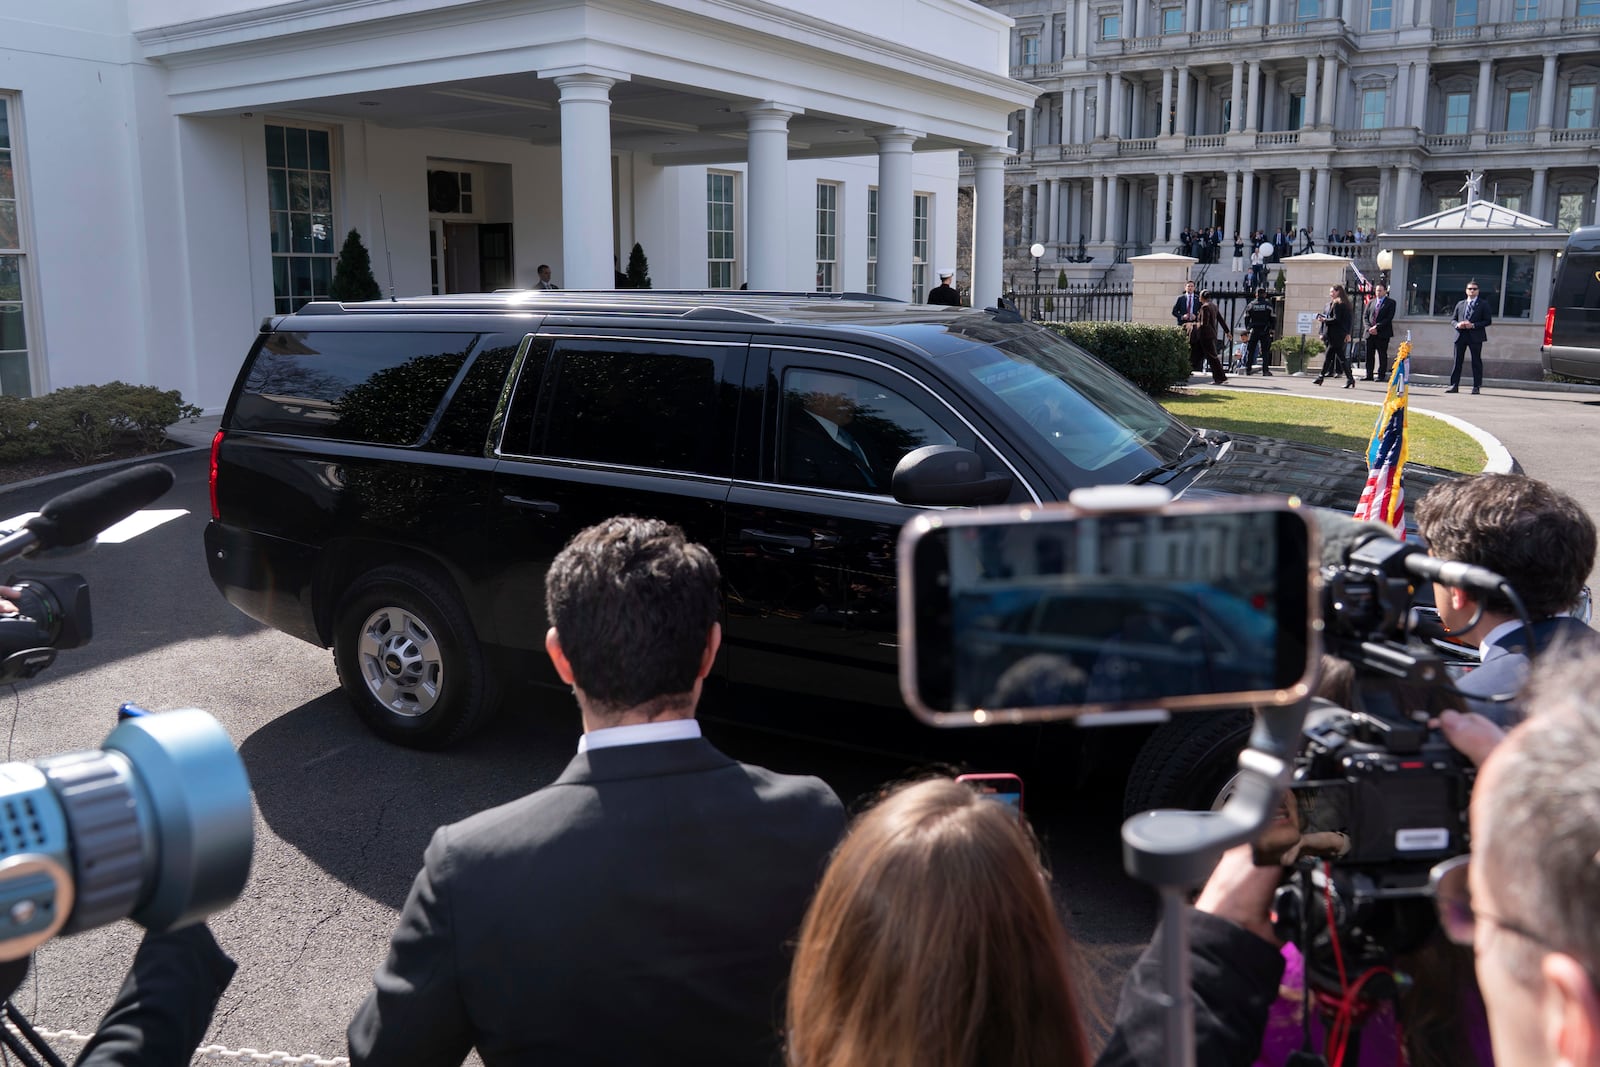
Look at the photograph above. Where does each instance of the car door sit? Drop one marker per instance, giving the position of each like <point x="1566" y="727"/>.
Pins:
<point x="608" y="424"/>
<point x="808" y="556"/>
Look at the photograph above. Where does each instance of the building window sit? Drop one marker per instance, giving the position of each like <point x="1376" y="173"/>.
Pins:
<point x="1463" y="12"/>
<point x="827" y="237"/>
<point x="1297" y="110"/>
<point x="1227" y="115"/>
<point x="1307" y="9"/>
<point x="15" y="378"/>
<point x="872" y="240"/>
<point x="919" y="246"/>
<point x="1238" y="14"/>
<point x="1580" y="107"/>
<point x="1366" y="212"/>
<point x="720" y="243"/>
<point x="1436" y="284"/>
<point x="1447" y="203"/>
<point x="1172" y="20"/>
<point x="1457" y="108"/>
<point x="1380" y="15"/>
<point x="1291" y="215"/>
<point x="1374" y="108"/>
<point x="300" y="199"/>
<point x="1110" y="27"/>
<point x="1569" y="210"/>
<point x="1512" y="201"/>
<point x="1517" y="109"/>
<point x="1588" y="8"/>
<point x="1030" y="49"/>
<point x="1524" y="10"/>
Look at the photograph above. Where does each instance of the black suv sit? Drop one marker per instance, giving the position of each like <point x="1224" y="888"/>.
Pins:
<point x="393" y="479"/>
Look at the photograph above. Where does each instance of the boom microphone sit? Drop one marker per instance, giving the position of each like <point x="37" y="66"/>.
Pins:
<point x="79" y="514"/>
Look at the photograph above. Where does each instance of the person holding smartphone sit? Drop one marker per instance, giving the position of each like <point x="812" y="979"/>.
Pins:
<point x="1335" y="319"/>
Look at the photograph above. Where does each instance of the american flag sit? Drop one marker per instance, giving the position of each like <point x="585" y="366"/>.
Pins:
<point x="1383" y="500"/>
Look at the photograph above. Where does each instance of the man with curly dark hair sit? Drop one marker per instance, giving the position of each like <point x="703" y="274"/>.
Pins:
<point x="1537" y="538"/>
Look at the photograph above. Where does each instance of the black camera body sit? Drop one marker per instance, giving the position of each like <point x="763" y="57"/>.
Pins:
<point x="52" y="613"/>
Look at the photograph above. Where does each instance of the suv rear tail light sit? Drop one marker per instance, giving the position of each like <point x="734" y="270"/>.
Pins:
<point x="216" y="446"/>
<point x="1549" y="324"/>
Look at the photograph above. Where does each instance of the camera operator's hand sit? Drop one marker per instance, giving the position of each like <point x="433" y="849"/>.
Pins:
<point x="1471" y="734"/>
<point x="1241" y="892"/>
<point x="7" y="593"/>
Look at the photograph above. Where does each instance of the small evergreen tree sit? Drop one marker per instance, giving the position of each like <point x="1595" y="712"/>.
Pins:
<point x="1061" y="278"/>
<point x="638" y="268"/>
<point x="352" y="277"/>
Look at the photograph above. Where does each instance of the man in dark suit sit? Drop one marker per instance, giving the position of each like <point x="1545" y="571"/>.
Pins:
<point x="820" y="444"/>
<point x="1186" y="308"/>
<point x="638" y="909"/>
<point x="1380" y="327"/>
<point x="1470" y="318"/>
<point x="1543" y="543"/>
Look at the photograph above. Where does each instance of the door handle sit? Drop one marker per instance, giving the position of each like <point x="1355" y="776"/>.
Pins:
<point x="543" y="507"/>
<point x="777" y="540"/>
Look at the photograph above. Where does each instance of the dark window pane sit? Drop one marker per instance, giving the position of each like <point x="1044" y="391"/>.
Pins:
<point x="278" y="190"/>
<point x="9" y="238"/>
<point x="8" y="186"/>
<point x="1454" y="272"/>
<point x="295" y="141"/>
<point x="275" y="156"/>
<point x="300" y="232"/>
<point x="843" y="432"/>
<point x="318" y="144"/>
<point x="12" y="335"/>
<point x="10" y="277"/>
<point x="1518" y="301"/>
<point x="1419" y="284"/>
<point x="299" y="191"/>
<point x="319" y="276"/>
<point x="283" y="305"/>
<point x="374" y="387"/>
<point x="280" y="232"/>
<point x="5" y="125"/>
<point x="595" y="411"/>
<point x="321" y="193"/>
<point x="280" y="276"/>
<point x="300" y="276"/>
<point x="466" y="181"/>
<point x="14" y="375"/>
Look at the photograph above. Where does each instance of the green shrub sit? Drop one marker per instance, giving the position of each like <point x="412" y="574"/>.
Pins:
<point x="1154" y="358"/>
<point x="1296" y="351"/>
<point x="83" y="422"/>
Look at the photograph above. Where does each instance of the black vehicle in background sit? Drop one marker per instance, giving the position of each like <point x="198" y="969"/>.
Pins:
<point x="392" y="480"/>
<point x="1572" y="324"/>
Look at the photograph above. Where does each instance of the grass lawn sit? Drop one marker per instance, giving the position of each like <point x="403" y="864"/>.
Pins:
<point x="1322" y="422"/>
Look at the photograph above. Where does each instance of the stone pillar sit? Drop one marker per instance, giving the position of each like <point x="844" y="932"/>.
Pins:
<point x="1181" y="127"/>
<point x="1180" y="204"/>
<point x="1025" y="223"/>
<point x="1102" y="107"/>
<point x="1386" y="219"/>
<point x="1536" y="194"/>
<point x="1320" y="214"/>
<point x="1547" y="94"/>
<point x="1137" y="112"/>
<point x="1230" y="208"/>
<point x="988" y="225"/>
<point x="587" y="241"/>
<point x="767" y="240"/>
<point x="1113" y="210"/>
<point x="1163" y="234"/>
<point x="1304" y="216"/>
<point x="1252" y="121"/>
<point x="1166" y="102"/>
<point x="1041" y="211"/>
<point x="1419" y="95"/>
<point x="1308" y="108"/>
<point x="1157" y="281"/>
<point x="1119" y="95"/>
<point x="1130" y="15"/>
<point x="1307" y="280"/>
<point x="1236" y="100"/>
<point x="1027" y="130"/>
<point x="1191" y="15"/>
<point x="1480" y="120"/>
<point x="1053" y="234"/>
<point x="896" y="208"/>
<point x="1247" y="212"/>
<point x="1097" y="231"/>
<point x="1269" y="99"/>
<point x="1330" y="82"/>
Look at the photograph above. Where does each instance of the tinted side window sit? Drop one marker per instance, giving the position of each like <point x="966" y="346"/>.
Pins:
<point x="838" y="431"/>
<point x="637" y="405"/>
<point x="378" y="388"/>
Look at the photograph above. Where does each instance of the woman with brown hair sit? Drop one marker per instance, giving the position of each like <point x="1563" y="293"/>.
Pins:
<point x="1335" y="319"/>
<point x="933" y="942"/>
<point x="1203" y="339"/>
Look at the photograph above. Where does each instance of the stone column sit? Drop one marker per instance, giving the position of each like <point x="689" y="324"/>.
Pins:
<point x="988" y="225"/>
<point x="768" y="149"/>
<point x="1304" y="217"/>
<point x="1053" y="234"/>
<point x="1113" y="209"/>
<point x="1252" y="121"/>
<point x="1230" y="208"/>
<point x="1130" y="15"/>
<point x="1320" y="214"/>
<point x="896" y="207"/>
<point x="1166" y="102"/>
<point x="1330" y="82"/>
<point x="1181" y="127"/>
<point x="1191" y="16"/>
<point x="1236" y="101"/>
<point x="1163" y="234"/>
<point x="1547" y="94"/>
<point x="587" y="241"/>
<point x="1386" y="219"/>
<point x="1480" y="120"/>
<point x="1419" y="96"/>
<point x="1269" y="98"/>
<point x="1308" y="108"/>
<point x="1025" y="223"/>
<point x="1041" y="211"/>
<point x="1536" y="194"/>
<point x="1180" y="204"/>
<point x="1097" y="231"/>
<point x="1027" y="129"/>
<point x="1119" y="95"/>
<point x="1102" y="107"/>
<point x="1247" y="212"/>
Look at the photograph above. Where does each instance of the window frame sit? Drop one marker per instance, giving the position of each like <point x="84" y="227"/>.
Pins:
<point x="1030" y="49"/>
<point x="1462" y="13"/>
<point x="1375" y="118"/>
<point x="1377" y="8"/>
<point x="22" y="370"/>
<point x="1111" y="27"/>
<point x="1461" y="123"/>
<point x="872" y="239"/>
<point x="285" y="297"/>
<point x="1588" y="109"/>
<point x="1172" y="20"/>
<point x="921" y="243"/>
<point x="1524" y="10"/>
<point x="1519" y="98"/>
<point x="730" y="262"/>
<point x="1238" y="14"/>
<point x="827" y="237"/>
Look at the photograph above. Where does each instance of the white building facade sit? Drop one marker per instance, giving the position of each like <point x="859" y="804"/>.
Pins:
<point x="173" y="171"/>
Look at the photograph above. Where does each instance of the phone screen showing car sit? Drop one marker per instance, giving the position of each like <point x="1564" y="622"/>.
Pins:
<point x="1002" y="788"/>
<point x="1050" y="616"/>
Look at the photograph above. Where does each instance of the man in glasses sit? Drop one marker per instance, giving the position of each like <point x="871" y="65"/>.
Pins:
<point x="1470" y="319"/>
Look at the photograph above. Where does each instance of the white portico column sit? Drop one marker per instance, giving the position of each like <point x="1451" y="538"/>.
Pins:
<point x="1247" y="212"/>
<point x="1308" y="102"/>
<point x="1236" y="108"/>
<point x="1252" y="115"/>
<point x="1330" y="85"/>
<point x="587" y="243"/>
<point x="768" y="154"/>
<point x="1164" y="126"/>
<point x="988" y="225"/>
<point x="1163" y="191"/>
<point x="1230" y="207"/>
<point x="895" y="210"/>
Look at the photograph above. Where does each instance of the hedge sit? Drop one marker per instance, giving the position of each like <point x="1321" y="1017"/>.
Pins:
<point x="83" y="422"/>
<point x="1154" y="358"/>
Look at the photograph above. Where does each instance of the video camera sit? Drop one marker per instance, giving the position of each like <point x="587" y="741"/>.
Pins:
<point x="155" y="825"/>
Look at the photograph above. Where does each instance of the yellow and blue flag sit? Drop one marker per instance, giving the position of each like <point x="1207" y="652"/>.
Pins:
<point x="1383" y="499"/>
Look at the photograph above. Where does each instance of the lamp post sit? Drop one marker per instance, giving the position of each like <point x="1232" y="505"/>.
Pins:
<point x="1385" y="261"/>
<point x="1037" y="252"/>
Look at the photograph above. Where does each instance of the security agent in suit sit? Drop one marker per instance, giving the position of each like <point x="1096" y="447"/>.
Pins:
<point x="638" y="909"/>
<point x="1186" y="308"/>
<point x="1380" y="328"/>
<point x="1470" y="318"/>
<point x="1537" y="538"/>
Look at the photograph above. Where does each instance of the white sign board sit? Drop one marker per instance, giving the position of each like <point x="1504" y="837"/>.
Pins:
<point x="1306" y="323"/>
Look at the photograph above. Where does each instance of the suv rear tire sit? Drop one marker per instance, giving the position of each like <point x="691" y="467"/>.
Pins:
<point x="408" y="660"/>
<point x="1188" y="762"/>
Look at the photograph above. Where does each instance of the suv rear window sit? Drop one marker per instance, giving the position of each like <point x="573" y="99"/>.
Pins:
<point x="376" y="388"/>
<point x="1578" y="281"/>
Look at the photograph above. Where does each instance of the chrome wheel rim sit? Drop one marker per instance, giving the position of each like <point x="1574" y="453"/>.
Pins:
<point x="400" y="661"/>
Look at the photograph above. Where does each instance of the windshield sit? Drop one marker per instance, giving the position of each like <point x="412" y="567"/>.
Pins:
<point x="1098" y="423"/>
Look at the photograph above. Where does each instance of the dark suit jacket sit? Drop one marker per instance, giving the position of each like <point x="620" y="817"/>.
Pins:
<point x="1506" y="665"/>
<point x="811" y="457"/>
<point x="1381" y="315"/>
<point x="164" y="1007"/>
<point x="1479" y="317"/>
<point x="1180" y="307"/>
<point x="636" y="911"/>
<point x="945" y="295"/>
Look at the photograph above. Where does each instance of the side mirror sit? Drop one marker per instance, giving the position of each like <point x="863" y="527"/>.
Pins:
<point x="944" y="475"/>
